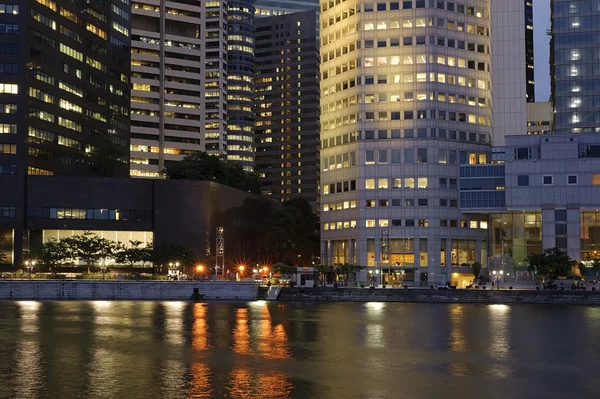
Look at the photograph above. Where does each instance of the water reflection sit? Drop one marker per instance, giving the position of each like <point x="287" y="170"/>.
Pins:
<point x="499" y="348"/>
<point x="28" y="355"/>
<point x="327" y="351"/>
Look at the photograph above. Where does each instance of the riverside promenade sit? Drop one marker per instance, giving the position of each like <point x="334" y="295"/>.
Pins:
<point x="126" y="290"/>
<point x="319" y="294"/>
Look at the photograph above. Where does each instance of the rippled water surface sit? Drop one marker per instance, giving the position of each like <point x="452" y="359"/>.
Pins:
<point x="326" y="350"/>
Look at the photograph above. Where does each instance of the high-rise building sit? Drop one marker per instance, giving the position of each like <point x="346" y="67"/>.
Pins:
<point x="268" y="8"/>
<point x="64" y="99"/>
<point x="64" y="87"/>
<point x="178" y="73"/>
<point x="240" y="83"/>
<point x="405" y="99"/>
<point x="512" y="66"/>
<point x="574" y="54"/>
<point x="287" y="100"/>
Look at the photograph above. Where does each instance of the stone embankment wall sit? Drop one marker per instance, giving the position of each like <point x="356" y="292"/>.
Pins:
<point x="126" y="290"/>
<point x="441" y="296"/>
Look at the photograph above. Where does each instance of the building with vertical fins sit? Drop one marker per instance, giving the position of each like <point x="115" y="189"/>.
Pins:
<point x="574" y="52"/>
<point x="178" y="101"/>
<point x="405" y="99"/>
<point x="512" y="66"/>
<point x="240" y="83"/>
<point x="287" y="100"/>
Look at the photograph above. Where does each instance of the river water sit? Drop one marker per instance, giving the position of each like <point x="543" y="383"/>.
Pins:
<point x="285" y="350"/>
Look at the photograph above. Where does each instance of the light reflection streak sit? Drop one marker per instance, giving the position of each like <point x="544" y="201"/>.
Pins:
<point x="28" y="354"/>
<point x="174" y="322"/>
<point x="499" y="346"/>
<point x="241" y="333"/>
<point x="272" y="341"/>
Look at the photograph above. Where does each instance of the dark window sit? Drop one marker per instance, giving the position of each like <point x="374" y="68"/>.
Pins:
<point x="422" y="202"/>
<point x="396" y="222"/>
<point x="410" y="223"/>
<point x="381" y="6"/>
<point x="560" y="215"/>
<point x="572" y="179"/>
<point x="561" y="229"/>
<point x="547" y="180"/>
<point x="523" y="180"/>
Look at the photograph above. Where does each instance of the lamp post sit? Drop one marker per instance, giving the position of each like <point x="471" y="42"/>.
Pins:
<point x="240" y="272"/>
<point x="497" y="276"/>
<point x="29" y="267"/>
<point x="199" y="270"/>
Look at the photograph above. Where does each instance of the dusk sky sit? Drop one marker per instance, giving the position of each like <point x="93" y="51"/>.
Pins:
<point x="541" y="22"/>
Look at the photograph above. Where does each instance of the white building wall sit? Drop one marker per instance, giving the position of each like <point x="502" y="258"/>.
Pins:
<point x="508" y="69"/>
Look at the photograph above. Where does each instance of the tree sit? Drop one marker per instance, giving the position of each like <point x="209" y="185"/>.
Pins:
<point x="54" y="253"/>
<point x="476" y="267"/>
<point x="552" y="263"/>
<point x="208" y="167"/>
<point x="3" y="258"/>
<point x="165" y="252"/>
<point x="282" y="268"/>
<point x="292" y="232"/>
<point x="131" y="254"/>
<point x="89" y="248"/>
<point x="347" y="269"/>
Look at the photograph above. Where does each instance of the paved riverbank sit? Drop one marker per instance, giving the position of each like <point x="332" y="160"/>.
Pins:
<point x="126" y="290"/>
<point x="440" y="296"/>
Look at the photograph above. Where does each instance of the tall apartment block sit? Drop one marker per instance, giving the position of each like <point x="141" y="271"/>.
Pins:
<point x="406" y="99"/>
<point x="574" y="55"/>
<point x="269" y="8"/>
<point x="178" y="96"/>
<point x="240" y="83"/>
<point x="512" y="66"/>
<point x="287" y="100"/>
<point x="64" y="97"/>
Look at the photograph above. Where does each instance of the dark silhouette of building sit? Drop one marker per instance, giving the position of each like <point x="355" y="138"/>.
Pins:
<point x="288" y="106"/>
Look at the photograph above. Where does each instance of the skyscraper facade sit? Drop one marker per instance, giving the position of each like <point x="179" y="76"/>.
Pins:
<point x="405" y="99"/>
<point x="64" y="99"/>
<point x="268" y="8"/>
<point x="64" y="87"/>
<point x="287" y="100"/>
<point x="240" y="83"/>
<point x="178" y="91"/>
<point x="574" y="71"/>
<point x="512" y="66"/>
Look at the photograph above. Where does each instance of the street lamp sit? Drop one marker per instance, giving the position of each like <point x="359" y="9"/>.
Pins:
<point x="497" y="276"/>
<point x="29" y="267"/>
<point x="200" y="269"/>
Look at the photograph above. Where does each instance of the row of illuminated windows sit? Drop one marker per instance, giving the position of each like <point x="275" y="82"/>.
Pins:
<point x="422" y="22"/>
<point x="422" y="77"/>
<point x="8" y="128"/>
<point x="8" y="108"/>
<point x="410" y="202"/>
<point x="406" y="60"/>
<point x="339" y="161"/>
<point x="407" y="182"/>
<point x="33" y="171"/>
<point x="89" y="214"/>
<point x="9" y="9"/>
<point x="8" y="149"/>
<point x="371" y="223"/>
<point x="339" y="187"/>
<point x="413" y="115"/>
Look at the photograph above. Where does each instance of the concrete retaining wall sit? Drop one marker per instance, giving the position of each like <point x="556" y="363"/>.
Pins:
<point x="435" y="296"/>
<point x="123" y="290"/>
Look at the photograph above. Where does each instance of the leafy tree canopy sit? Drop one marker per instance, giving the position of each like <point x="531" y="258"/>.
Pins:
<point x="552" y="263"/>
<point x="476" y="267"/>
<point x="208" y="167"/>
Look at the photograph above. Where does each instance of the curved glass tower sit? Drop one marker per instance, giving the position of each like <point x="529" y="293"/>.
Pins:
<point x="240" y="83"/>
<point x="405" y="99"/>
